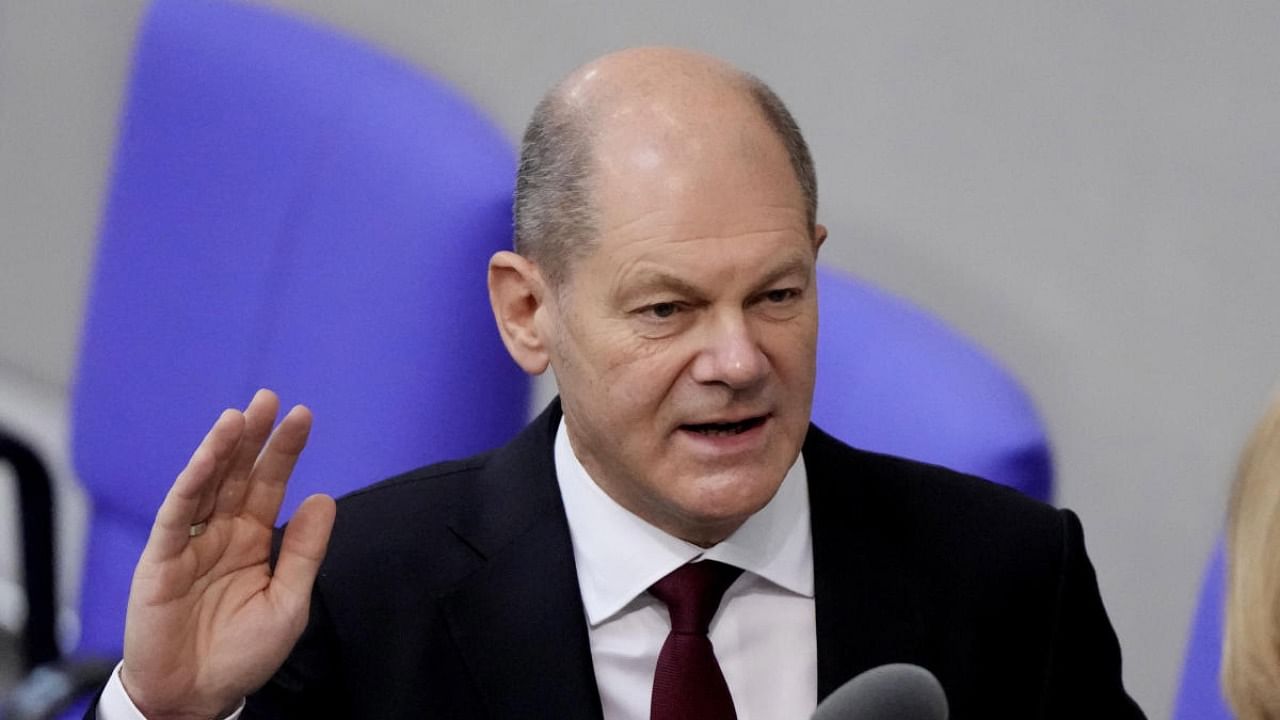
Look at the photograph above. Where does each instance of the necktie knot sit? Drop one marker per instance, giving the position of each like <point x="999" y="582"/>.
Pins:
<point x="692" y="594"/>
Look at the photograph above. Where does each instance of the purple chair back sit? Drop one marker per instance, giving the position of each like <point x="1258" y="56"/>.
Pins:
<point x="1200" y="691"/>
<point x="290" y="209"/>
<point x="894" y="379"/>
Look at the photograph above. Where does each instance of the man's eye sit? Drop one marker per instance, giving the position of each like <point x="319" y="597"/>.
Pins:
<point x="781" y="296"/>
<point x="663" y="310"/>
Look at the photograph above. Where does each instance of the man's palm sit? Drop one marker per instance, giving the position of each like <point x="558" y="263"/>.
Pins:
<point x="208" y="620"/>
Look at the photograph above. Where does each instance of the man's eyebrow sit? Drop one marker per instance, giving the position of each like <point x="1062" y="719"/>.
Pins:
<point x="795" y="265"/>
<point x="659" y="280"/>
<point x="656" y="280"/>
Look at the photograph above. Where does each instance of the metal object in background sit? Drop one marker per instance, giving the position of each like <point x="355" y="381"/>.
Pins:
<point x="35" y="493"/>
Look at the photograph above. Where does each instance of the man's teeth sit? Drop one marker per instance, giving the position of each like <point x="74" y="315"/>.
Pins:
<point x="724" y="429"/>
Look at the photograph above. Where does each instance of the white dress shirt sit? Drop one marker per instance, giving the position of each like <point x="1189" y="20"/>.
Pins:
<point x="764" y="634"/>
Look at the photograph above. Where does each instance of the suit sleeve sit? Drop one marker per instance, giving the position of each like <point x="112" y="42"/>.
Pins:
<point x="1084" y="676"/>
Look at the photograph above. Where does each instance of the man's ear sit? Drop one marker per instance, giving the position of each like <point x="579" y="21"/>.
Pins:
<point x="819" y="236"/>
<point x="517" y="292"/>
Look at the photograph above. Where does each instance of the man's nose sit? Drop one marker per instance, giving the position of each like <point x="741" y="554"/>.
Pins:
<point x="731" y="355"/>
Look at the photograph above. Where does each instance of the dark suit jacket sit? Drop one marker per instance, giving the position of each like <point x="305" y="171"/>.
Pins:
<point x="450" y="592"/>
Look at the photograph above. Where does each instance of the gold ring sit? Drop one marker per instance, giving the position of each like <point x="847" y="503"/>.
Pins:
<point x="197" y="528"/>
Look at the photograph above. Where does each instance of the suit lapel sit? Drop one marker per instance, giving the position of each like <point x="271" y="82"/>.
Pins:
<point x="519" y="622"/>
<point x="868" y="608"/>
<point x="520" y="626"/>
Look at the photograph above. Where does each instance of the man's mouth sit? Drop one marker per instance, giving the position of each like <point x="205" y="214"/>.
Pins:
<point x="725" y="429"/>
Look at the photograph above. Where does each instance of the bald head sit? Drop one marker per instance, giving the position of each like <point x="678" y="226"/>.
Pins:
<point x="648" y="112"/>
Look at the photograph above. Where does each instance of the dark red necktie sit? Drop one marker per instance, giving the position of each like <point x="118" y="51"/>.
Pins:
<point x="688" y="684"/>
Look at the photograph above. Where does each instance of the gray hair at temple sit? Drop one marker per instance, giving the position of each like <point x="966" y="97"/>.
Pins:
<point x="554" y="220"/>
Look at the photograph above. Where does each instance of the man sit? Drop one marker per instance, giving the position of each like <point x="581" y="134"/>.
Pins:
<point x="664" y="270"/>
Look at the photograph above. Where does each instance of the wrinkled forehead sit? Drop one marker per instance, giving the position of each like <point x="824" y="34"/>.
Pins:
<point x="731" y="230"/>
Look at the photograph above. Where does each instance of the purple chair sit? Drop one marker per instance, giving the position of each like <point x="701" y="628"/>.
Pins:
<point x="291" y="209"/>
<point x="1200" y="691"/>
<point x="893" y="379"/>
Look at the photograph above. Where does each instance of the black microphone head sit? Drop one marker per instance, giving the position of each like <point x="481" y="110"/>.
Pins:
<point x="889" y="692"/>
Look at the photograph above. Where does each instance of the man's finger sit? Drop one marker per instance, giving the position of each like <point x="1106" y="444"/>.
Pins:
<point x="259" y="416"/>
<point x="305" y="541"/>
<point x="270" y="475"/>
<point x="197" y="481"/>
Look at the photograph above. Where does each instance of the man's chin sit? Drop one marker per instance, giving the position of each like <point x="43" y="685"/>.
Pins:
<point x="732" y="494"/>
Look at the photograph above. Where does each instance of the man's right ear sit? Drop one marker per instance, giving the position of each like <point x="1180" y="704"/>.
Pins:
<point x="517" y="292"/>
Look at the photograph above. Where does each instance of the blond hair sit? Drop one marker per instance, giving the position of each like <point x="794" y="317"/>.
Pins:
<point x="1251" y="649"/>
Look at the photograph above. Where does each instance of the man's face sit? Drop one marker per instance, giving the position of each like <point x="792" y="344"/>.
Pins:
<point x="684" y="342"/>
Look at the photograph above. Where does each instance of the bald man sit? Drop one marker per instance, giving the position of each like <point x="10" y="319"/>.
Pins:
<point x="666" y="240"/>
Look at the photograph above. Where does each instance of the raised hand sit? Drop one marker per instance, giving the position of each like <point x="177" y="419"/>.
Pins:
<point x="208" y="620"/>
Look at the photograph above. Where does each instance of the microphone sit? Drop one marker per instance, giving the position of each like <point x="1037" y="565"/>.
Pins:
<point x="899" y="691"/>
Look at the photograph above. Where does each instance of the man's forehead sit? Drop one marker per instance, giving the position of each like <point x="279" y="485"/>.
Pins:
<point x="668" y="206"/>
<point x="668" y="272"/>
<point x="656" y="158"/>
<point x="701" y="266"/>
<point x="717" y="194"/>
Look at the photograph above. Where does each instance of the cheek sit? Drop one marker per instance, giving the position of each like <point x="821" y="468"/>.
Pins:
<point x="643" y="369"/>
<point x="792" y="349"/>
<point x="627" y="348"/>
<point x="617" y="383"/>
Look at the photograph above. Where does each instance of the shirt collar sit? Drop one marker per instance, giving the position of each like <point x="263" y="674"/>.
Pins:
<point x="619" y="555"/>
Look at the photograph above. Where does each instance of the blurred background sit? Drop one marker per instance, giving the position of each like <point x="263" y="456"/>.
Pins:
<point x="1091" y="191"/>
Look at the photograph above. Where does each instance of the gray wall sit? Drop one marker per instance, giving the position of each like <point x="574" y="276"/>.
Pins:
<point x="1088" y="189"/>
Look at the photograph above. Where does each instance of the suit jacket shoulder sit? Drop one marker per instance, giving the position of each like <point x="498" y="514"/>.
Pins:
<point x="989" y="589"/>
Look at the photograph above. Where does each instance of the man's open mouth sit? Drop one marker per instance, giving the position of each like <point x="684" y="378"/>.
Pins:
<point x="725" y="429"/>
